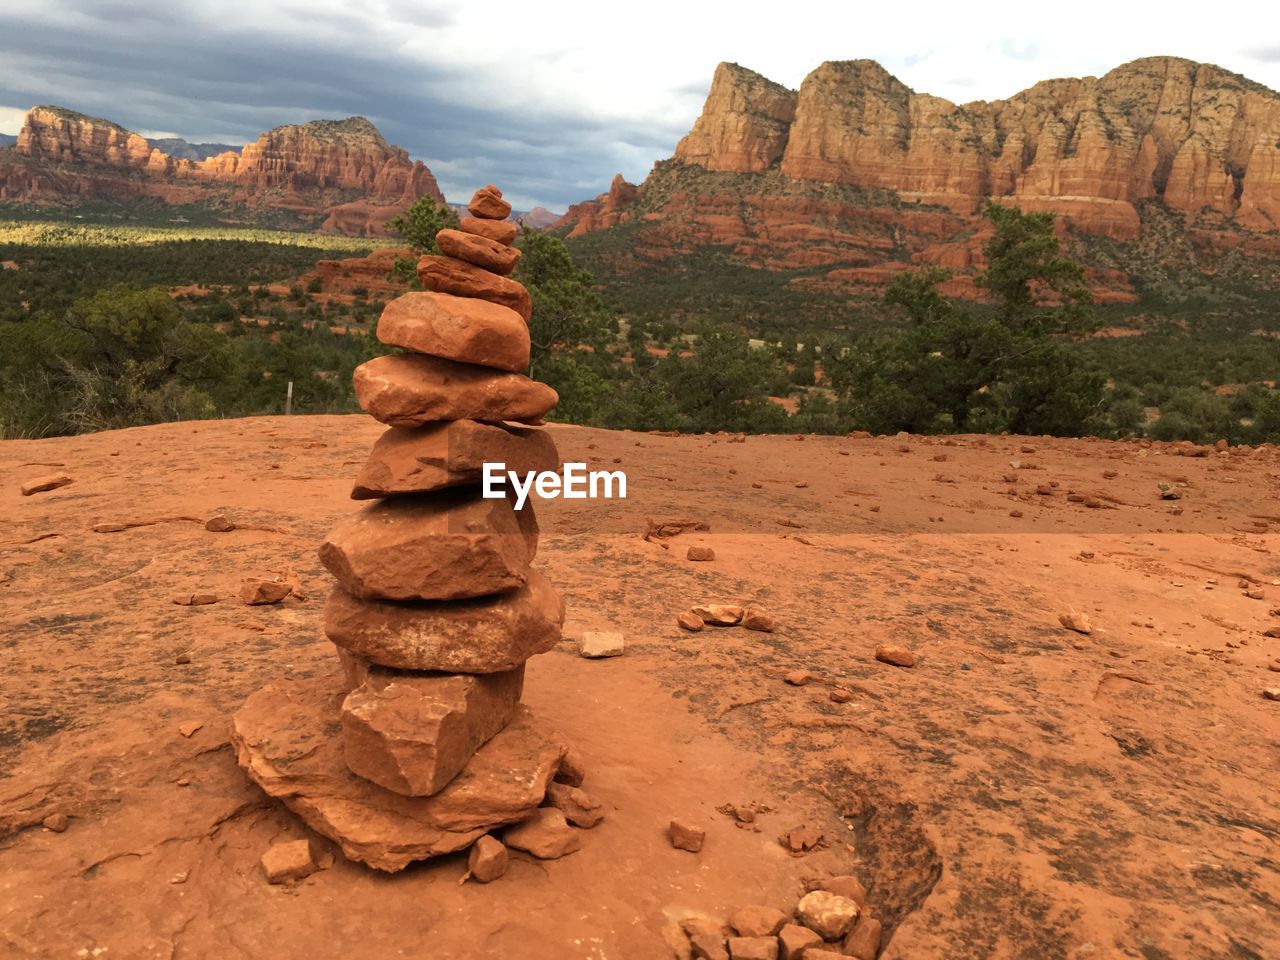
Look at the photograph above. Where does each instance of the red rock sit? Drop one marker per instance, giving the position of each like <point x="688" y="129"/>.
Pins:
<point x="450" y="454"/>
<point x="846" y="886"/>
<point x="487" y="204"/>
<point x="840" y="695"/>
<point x="598" y="644"/>
<point x="794" y="940"/>
<point x="703" y="926"/>
<point x="757" y="619"/>
<point x="1078" y="622"/>
<point x="606" y="210"/>
<point x="195" y="599"/>
<point x="409" y="390"/>
<point x="190" y="728"/>
<point x="56" y="822"/>
<point x="258" y="591"/>
<point x="497" y="230"/>
<point x="720" y="614"/>
<point x="285" y="742"/>
<point x="863" y="941"/>
<point x="478" y="251"/>
<point x="579" y="807"/>
<point x="347" y="276"/>
<point x="290" y="860"/>
<point x="757" y="921"/>
<point x="448" y="545"/>
<point x="743" y="813"/>
<point x="708" y="946"/>
<point x="219" y="524"/>
<point x="685" y="836"/>
<point x="688" y="620"/>
<point x="897" y="656"/>
<point x="798" y="678"/>
<point x="546" y="834"/>
<point x="42" y="484"/>
<point x="413" y="733"/>
<point x="802" y="839"/>
<point x="700" y="554"/>
<point x="828" y="915"/>
<point x="572" y="770"/>
<point x="753" y="948"/>
<point x="488" y="859"/>
<point x="457" y="328"/>
<point x="487" y="634"/>
<point x="451" y="275"/>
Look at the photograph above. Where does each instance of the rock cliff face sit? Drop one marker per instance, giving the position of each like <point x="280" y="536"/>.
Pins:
<point x="744" y="124"/>
<point x="340" y="173"/>
<point x="64" y="136"/>
<point x="1198" y="140"/>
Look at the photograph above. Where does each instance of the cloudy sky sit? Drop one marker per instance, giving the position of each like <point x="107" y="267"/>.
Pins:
<point x="550" y="99"/>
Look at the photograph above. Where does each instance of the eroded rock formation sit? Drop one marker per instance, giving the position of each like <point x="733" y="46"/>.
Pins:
<point x="1200" y="140"/>
<point x="340" y="174"/>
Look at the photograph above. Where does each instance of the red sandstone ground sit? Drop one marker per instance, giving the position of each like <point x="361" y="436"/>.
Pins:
<point x="1023" y="791"/>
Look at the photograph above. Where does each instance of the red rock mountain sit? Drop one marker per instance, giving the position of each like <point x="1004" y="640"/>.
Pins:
<point x="767" y="170"/>
<point x="340" y="175"/>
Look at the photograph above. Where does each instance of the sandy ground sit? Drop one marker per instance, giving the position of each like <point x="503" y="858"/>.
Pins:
<point x="1023" y="791"/>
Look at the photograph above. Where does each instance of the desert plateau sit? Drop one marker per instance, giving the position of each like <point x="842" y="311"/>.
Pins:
<point x="1100" y="794"/>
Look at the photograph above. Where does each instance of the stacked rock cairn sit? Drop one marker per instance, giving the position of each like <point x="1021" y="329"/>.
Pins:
<point x="420" y="747"/>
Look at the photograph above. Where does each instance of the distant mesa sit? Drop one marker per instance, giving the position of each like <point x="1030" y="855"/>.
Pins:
<point x="338" y="175"/>
<point x="858" y="171"/>
<point x="539" y="218"/>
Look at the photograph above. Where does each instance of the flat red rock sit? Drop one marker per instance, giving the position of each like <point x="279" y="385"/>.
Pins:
<point x="447" y="545"/>
<point x="499" y="230"/>
<point x="479" y="251"/>
<point x="409" y="390"/>
<point x="286" y="739"/>
<point x="451" y="275"/>
<point x="448" y="454"/>
<point x="41" y="484"/>
<point x="484" y="635"/>
<point x="457" y="328"/>
<point x="412" y="732"/>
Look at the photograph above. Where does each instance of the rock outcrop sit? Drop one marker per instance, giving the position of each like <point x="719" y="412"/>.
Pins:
<point x="914" y="169"/>
<point x="341" y="175"/>
<point x="420" y="746"/>
<point x="744" y="124"/>
<point x="606" y="210"/>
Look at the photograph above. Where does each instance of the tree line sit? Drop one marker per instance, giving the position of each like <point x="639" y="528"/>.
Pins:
<point x="1020" y="361"/>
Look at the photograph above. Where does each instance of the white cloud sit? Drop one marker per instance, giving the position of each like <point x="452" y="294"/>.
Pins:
<point x="11" y="119"/>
